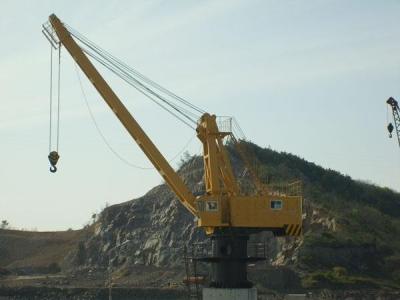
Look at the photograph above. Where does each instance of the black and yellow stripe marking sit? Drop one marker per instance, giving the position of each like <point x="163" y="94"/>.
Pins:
<point x="293" y="229"/>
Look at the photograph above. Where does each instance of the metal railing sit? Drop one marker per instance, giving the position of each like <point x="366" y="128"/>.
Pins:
<point x="286" y="189"/>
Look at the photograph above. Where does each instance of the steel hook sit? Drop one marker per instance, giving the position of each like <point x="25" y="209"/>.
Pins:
<point x="53" y="159"/>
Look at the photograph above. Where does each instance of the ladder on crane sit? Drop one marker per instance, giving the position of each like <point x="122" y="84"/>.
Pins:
<point x="193" y="280"/>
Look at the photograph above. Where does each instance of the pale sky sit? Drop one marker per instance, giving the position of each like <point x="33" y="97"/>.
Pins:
<point x="306" y="77"/>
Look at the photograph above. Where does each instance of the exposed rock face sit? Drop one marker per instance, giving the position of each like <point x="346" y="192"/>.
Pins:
<point x="151" y="230"/>
<point x="149" y="234"/>
<point x="314" y="220"/>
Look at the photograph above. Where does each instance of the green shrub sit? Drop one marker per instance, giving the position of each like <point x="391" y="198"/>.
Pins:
<point x="339" y="271"/>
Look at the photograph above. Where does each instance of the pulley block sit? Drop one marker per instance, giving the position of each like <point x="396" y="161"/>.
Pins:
<point x="53" y="159"/>
<point x="390" y="129"/>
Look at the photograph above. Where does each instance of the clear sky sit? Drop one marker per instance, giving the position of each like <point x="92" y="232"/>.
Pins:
<point x="306" y="77"/>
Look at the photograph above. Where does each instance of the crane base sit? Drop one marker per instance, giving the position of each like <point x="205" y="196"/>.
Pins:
<point x="229" y="294"/>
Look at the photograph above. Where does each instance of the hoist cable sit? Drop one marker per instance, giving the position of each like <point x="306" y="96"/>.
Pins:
<point x="182" y="149"/>
<point x="53" y="154"/>
<point x="58" y="96"/>
<point x="129" y="80"/>
<point x="237" y="130"/>
<point x="88" y="43"/>
<point x="99" y="130"/>
<point x="387" y="114"/>
<point x="136" y="83"/>
<point x="51" y="97"/>
<point x="121" y="64"/>
<point x="126" y="78"/>
<point x="126" y="71"/>
<point x="120" y="157"/>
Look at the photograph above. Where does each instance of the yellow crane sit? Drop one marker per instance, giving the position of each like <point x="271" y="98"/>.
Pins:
<point x="226" y="215"/>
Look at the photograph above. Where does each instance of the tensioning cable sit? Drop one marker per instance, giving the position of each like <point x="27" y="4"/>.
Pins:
<point x="180" y="108"/>
<point x="103" y="137"/>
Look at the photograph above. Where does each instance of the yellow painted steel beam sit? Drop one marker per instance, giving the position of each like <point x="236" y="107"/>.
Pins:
<point x="131" y="125"/>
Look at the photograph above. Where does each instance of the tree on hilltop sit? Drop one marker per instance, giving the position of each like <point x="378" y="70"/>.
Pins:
<point x="4" y="224"/>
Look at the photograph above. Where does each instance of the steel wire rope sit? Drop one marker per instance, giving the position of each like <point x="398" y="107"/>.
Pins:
<point x="136" y="83"/>
<point x="142" y="89"/>
<point x="387" y="114"/>
<point x="126" y="78"/>
<point x="120" y="157"/>
<point x="236" y="124"/>
<point x="88" y="43"/>
<point x="125" y="72"/>
<point x="176" y="107"/>
<point x="51" y="98"/>
<point x="58" y="95"/>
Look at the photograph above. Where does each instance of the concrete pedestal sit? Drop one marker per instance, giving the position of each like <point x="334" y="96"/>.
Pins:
<point x="229" y="294"/>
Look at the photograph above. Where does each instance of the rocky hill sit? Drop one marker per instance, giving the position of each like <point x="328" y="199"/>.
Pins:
<point x="351" y="236"/>
<point x="25" y="252"/>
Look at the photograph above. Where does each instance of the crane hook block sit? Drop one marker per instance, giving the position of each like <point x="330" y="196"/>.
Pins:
<point x="53" y="159"/>
<point x="390" y="129"/>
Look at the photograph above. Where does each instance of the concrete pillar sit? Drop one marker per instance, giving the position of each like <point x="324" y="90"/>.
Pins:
<point x="229" y="294"/>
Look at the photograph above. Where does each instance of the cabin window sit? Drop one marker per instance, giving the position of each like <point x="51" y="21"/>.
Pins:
<point x="276" y="204"/>
<point x="211" y="206"/>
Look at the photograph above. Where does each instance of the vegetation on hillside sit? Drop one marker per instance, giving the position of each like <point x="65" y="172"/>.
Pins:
<point x="36" y="252"/>
<point x="362" y="251"/>
<point x="365" y="248"/>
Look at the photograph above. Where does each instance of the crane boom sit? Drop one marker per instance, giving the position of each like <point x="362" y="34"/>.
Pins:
<point x="396" y="117"/>
<point x="131" y="125"/>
